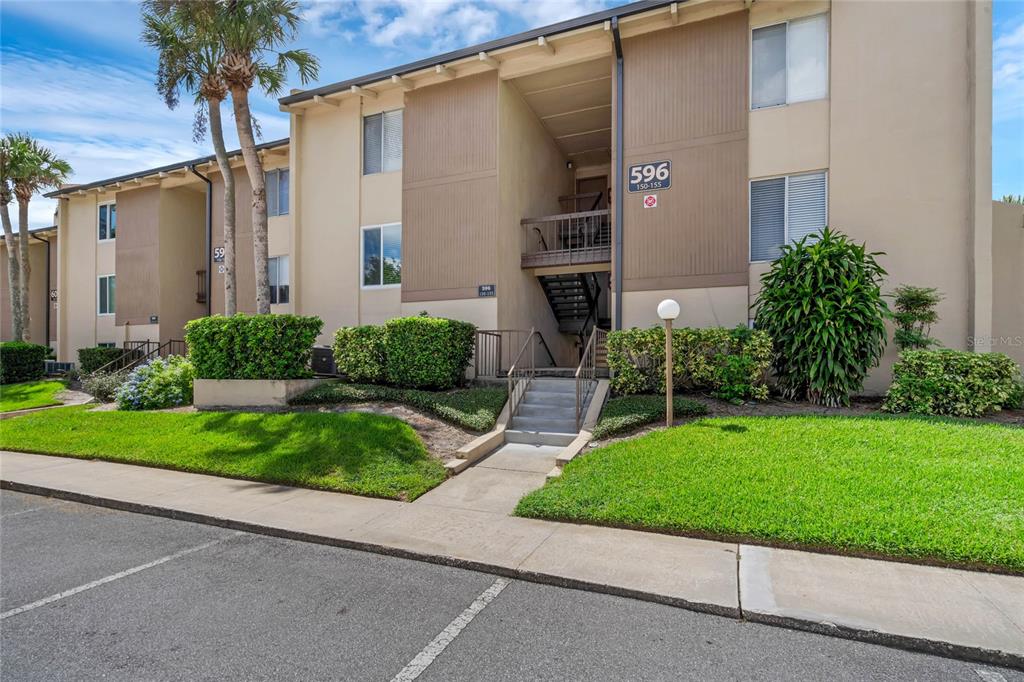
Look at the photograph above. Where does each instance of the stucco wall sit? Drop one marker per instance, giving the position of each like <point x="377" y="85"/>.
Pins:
<point x="182" y="251"/>
<point x="37" y="292"/>
<point x="1008" y="280"/>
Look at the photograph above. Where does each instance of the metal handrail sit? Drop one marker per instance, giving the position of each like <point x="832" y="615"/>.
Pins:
<point x="131" y="357"/>
<point x="587" y="372"/>
<point x="494" y="348"/>
<point x="523" y="371"/>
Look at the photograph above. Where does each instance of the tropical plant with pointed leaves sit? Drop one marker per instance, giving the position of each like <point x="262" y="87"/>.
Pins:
<point x="29" y="168"/>
<point x="254" y="35"/>
<point x="8" y="150"/>
<point x="184" y="34"/>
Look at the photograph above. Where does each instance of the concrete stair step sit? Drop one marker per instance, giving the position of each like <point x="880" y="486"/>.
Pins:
<point x="548" y="425"/>
<point x="538" y="438"/>
<point x="547" y="411"/>
<point x="554" y="385"/>
<point x="551" y="399"/>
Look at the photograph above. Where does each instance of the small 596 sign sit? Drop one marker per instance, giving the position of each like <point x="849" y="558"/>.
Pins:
<point x="646" y="177"/>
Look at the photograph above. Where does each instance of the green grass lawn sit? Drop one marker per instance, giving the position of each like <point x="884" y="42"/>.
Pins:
<point x="351" y="452"/>
<point x="922" y="488"/>
<point x="29" y="394"/>
<point x="630" y="412"/>
<point x="476" y="409"/>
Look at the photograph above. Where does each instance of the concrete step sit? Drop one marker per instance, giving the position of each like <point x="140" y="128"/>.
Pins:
<point x="538" y="438"/>
<point x="547" y="411"/>
<point x="549" y="398"/>
<point x="548" y="425"/>
<point x="554" y="385"/>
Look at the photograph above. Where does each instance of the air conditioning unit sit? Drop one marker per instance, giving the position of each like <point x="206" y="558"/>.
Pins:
<point x="323" y="361"/>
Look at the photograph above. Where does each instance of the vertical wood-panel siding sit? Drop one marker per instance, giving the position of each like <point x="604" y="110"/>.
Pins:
<point x="245" y="265"/>
<point x="686" y="102"/>
<point x="137" y="255"/>
<point x="450" y="189"/>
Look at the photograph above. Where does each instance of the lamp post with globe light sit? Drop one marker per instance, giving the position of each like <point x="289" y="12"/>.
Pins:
<point x="668" y="310"/>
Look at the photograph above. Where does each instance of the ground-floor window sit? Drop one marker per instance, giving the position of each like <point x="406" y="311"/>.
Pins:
<point x="382" y="255"/>
<point x="106" y="344"/>
<point x="279" y="279"/>
<point x="105" y="295"/>
<point x="784" y="210"/>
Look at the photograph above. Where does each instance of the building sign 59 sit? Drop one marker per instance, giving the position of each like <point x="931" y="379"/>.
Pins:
<point x="646" y="177"/>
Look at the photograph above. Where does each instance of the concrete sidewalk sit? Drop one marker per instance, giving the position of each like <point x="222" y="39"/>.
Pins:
<point x="965" y="614"/>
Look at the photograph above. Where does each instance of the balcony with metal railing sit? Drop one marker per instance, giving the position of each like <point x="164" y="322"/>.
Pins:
<point x="576" y="238"/>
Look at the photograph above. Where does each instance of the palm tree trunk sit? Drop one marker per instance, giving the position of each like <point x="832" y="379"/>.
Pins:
<point x="220" y="151"/>
<point x="25" y="270"/>
<point x="254" y="167"/>
<point x="13" y="277"/>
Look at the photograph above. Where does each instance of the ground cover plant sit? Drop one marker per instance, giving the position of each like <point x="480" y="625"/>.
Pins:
<point x="29" y="394"/>
<point x="922" y="488"/>
<point x="822" y="305"/>
<point x="630" y="412"/>
<point x="352" y="452"/>
<point x="476" y="409"/>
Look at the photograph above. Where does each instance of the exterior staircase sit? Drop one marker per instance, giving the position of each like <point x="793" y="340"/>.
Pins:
<point x="547" y="413"/>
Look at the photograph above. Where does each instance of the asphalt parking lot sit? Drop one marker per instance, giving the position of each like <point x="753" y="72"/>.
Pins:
<point x="90" y="593"/>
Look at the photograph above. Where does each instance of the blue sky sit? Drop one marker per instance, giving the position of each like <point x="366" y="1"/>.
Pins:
<point x="74" y="74"/>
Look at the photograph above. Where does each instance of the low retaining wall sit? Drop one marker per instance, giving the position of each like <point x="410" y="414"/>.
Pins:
<point x="211" y="393"/>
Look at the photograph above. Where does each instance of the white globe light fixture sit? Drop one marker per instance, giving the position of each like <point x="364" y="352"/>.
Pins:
<point x="668" y="310"/>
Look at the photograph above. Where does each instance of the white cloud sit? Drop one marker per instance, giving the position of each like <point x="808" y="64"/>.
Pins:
<point x="1008" y="75"/>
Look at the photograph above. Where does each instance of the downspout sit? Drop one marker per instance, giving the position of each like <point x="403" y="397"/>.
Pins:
<point x="619" y="191"/>
<point x="209" y="237"/>
<point x="48" y="286"/>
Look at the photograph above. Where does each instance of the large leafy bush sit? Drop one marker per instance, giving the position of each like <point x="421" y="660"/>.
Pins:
<point x="412" y="352"/>
<point x="91" y="359"/>
<point x="252" y="346"/>
<point x="20" y="361"/>
<point x="822" y="304"/>
<point x="729" y="363"/>
<point x="955" y="383"/>
<point x="359" y="353"/>
<point x="158" y="384"/>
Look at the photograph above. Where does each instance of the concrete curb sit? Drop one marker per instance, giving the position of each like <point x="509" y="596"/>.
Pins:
<point x="934" y="647"/>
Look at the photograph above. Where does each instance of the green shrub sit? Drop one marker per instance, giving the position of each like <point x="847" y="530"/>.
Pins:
<point x="103" y="385"/>
<point x="701" y="361"/>
<point x="914" y="316"/>
<point x="471" y="408"/>
<point x="822" y="305"/>
<point x="252" y="346"/>
<point x="91" y="359"/>
<point x="427" y="352"/>
<point x="20" y="361"/>
<point x="359" y="353"/>
<point x="158" y="384"/>
<point x="954" y="383"/>
<point x="628" y="413"/>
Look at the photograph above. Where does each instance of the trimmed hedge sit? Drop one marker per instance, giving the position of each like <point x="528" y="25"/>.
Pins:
<point x="91" y="359"/>
<point x="470" y="408"/>
<point x="410" y="352"/>
<point x="21" y="361"/>
<point x="729" y="363"/>
<point x="952" y="382"/>
<point x="628" y="413"/>
<point x="359" y="353"/>
<point x="252" y="346"/>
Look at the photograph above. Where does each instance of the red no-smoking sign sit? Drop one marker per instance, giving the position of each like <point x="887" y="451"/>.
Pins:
<point x="650" y="201"/>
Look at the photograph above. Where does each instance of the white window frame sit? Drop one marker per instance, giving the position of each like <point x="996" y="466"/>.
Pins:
<point x="828" y="64"/>
<point x="99" y="278"/>
<point x="785" y="207"/>
<point x="288" y="283"/>
<point x="362" y="255"/>
<point x="277" y="185"/>
<point x="108" y="239"/>
<point x="362" y="145"/>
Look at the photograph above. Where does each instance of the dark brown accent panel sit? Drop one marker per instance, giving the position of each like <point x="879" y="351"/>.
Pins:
<point x="137" y="255"/>
<point x="686" y="102"/>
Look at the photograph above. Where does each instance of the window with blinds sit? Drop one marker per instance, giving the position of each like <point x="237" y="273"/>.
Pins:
<point x="382" y="142"/>
<point x="277" y="191"/>
<point x="789" y="62"/>
<point x="785" y="210"/>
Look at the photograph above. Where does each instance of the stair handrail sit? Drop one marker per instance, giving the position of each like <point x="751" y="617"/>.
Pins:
<point x="157" y="351"/>
<point x="522" y="371"/>
<point x="587" y="372"/>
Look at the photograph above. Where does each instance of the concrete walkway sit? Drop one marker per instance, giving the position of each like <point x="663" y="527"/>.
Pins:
<point x="965" y="614"/>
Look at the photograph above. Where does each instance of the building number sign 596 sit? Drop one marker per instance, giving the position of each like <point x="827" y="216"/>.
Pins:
<point x="644" y="177"/>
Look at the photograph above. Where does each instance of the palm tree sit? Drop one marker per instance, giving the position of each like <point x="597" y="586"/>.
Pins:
<point x="33" y="168"/>
<point x="252" y="33"/>
<point x="9" y="148"/>
<point x="183" y="32"/>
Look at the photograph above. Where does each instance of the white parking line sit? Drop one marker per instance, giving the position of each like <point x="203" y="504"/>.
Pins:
<point x="990" y="676"/>
<point x="110" y="578"/>
<point x="425" y="657"/>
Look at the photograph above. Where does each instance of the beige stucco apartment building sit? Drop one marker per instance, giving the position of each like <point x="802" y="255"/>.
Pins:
<point x="577" y="174"/>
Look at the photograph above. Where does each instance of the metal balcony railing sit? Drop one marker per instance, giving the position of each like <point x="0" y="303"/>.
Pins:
<point x="567" y="239"/>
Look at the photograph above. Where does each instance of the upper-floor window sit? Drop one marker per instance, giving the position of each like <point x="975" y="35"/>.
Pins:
<point x="789" y="62"/>
<point x="277" y="192"/>
<point x="784" y="210"/>
<point x="382" y="255"/>
<point x="107" y="222"/>
<point x="279" y="279"/>
<point x="382" y="142"/>
<point x="105" y="294"/>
